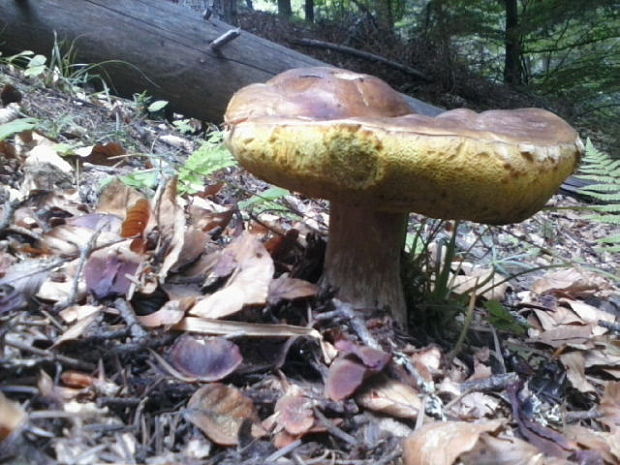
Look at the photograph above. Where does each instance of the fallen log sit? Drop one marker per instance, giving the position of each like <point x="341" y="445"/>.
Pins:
<point x="170" y="51"/>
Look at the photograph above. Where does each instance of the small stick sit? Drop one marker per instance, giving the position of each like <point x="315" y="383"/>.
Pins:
<point x="135" y="328"/>
<point x="219" y="42"/>
<point x="333" y="429"/>
<point x="52" y="356"/>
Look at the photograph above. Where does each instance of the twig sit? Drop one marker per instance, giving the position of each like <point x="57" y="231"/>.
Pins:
<point x="219" y="42"/>
<point x="333" y="429"/>
<point x="358" y="325"/>
<point x="135" y="328"/>
<point x="362" y="54"/>
<point x="52" y="356"/>
<point x="84" y="254"/>
<point x="284" y="451"/>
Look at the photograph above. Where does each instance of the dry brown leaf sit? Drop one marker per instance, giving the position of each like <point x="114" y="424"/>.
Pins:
<point x="571" y="283"/>
<point x="610" y="406"/>
<point x="574" y="362"/>
<point x="219" y="411"/>
<point x="476" y="278"/>
<point x="116" y="197"/>
<point x="294" y="411"/>
<point x="77" y="329"/>
<point x="104" y="154"/>
<point x="443" y="443"/>
<point x="241" y="328"/>
<point x="248" y="285"/>
<point x="12" y="417"/>
<point x="136" y="218"/>
<point x="171" y="222"/>
<point x="390" y="397"/>
<point x="44" y="169"/>
<point x="204" y="360"/>
<point x="169" y="314"/>
<point x="285" y="288"/>
<point x="599" y="441"/>
<point x="507" y="450"/>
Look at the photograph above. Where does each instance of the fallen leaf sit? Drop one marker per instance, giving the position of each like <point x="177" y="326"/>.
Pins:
<point x="171" y="223"/>
<point x="294" y="411"/>
<point x="169" y="314"/>
<point x="610" y="406"/>
<point x="243" y="329"/>
<point x="12" y="418"/>
<point x="443" y="443"/>
<point x="207" y="361"/>
<point x="219" y="411"/>
<point x="108" y="271"/>
<point x="116" y="196"/>
<point x="285" y="288"/>
<point x="136" y="218"/>
<point x="344" y="377"/>
<point x="571" y="283"/>
<point x="390" y="397"/>
<point x="248" y="284"/>
<point x="104" y="154"/>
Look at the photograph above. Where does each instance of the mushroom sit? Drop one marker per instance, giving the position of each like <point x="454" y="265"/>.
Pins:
<point x="350" y="138"/>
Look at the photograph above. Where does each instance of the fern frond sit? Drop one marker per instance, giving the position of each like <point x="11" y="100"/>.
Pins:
<point x="609" y="219"/>
<point x="604" y="172"/>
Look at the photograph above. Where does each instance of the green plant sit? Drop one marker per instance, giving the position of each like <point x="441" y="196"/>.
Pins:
<point x="16" y="126"/>
<point x="604" y="172"/>
<point x="211" y="157"/>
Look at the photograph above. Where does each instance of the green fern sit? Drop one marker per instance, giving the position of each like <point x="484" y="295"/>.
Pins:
<point x="604" y="173"/>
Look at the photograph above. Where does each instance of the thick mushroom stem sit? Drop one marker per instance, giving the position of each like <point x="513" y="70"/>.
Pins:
<point x="362" y="261"/>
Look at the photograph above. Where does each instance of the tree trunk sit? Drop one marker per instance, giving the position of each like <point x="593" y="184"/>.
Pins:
<point x="385" y="16"/>
<point x="513" y="70"/>
<point x="228" y="11"/>
<point x="309" y="10"/>
<point x="155" y="46"/>
<point x="284" y="9"/>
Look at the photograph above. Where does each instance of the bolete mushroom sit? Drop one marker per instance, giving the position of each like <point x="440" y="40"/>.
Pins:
<point x="350" y="138"/>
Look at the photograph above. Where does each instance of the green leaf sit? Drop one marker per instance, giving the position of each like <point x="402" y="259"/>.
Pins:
<point x="157" y="105"/>
<point x="502" y="319"/>
<point x="146" y="179"/>
<point x="266" y="200"/>
<point x="210" y="158"/>
<point x="16" y="126"/>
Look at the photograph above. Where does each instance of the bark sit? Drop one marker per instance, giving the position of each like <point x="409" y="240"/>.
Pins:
<point x="309" y="10"/>
<point x="157" y="46"/>
<point x="284" y="9"/>
<point x="513" y="70"/>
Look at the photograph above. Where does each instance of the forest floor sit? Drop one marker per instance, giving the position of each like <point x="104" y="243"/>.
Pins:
<point x="179" y="320"/>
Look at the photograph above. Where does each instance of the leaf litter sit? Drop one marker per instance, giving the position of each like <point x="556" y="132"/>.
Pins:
<point x="182" y="321"/>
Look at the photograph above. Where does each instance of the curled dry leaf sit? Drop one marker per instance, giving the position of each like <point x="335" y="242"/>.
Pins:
<point x="115" y="198"/>
<point x="241" y="328"/>
<point x="44" y="169"/>
<point x="285" y="288"/>
<point x="248" y="284"/>
<point x="136" y="218"/>
<point x="485" y="281"/>
<point x="344" y="377"/>
<point x="108" y="271"/>
<point x="347" y="372"/>
<point x="219" y="411"/>
<point x="571" y="283"/>
<point x="12" y="417"/>
<point x="169" y="314"/>
<point x="507" y="450"/>
<point x="171" y="222"/>
<point x="373" y="359"/>
<point x="610" y="407"/>
<point x="429" y="444"/>
<point x="104" y="154"/>
<point x="294" y="411"/>
<point x="390" y="397"/>
<point x="209" y="360"/>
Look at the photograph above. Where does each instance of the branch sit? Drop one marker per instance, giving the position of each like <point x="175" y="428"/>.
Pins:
<point x="362" y="54"/>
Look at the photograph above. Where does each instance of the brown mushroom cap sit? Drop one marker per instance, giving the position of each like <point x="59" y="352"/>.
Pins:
<point x="349" y="137"/>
